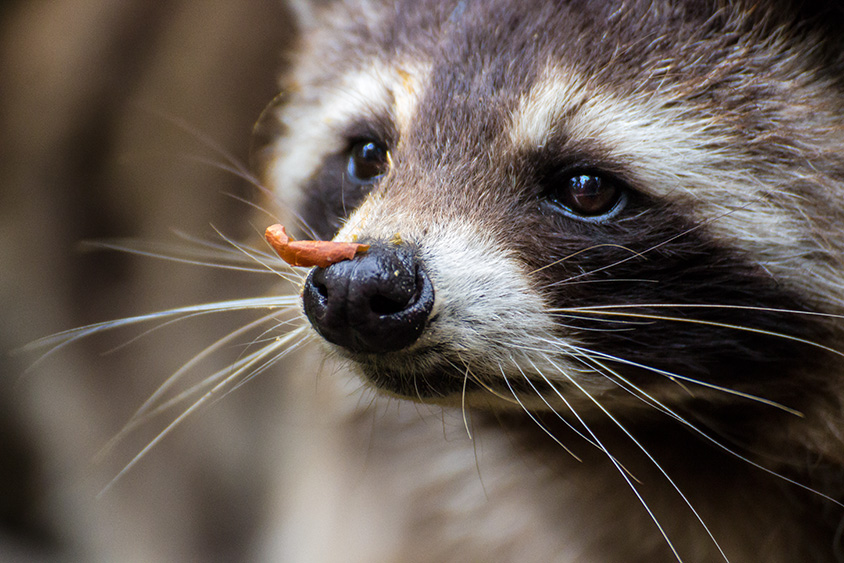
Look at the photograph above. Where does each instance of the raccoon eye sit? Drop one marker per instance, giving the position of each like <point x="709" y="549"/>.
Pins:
<point x="368" y="161"/>
<point x="588" y="196"/>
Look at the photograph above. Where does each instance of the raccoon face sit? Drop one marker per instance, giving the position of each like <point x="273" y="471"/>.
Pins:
<point x="565" y="203"/>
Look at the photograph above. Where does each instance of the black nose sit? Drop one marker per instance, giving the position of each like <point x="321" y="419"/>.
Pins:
<point x="378" y="302"/>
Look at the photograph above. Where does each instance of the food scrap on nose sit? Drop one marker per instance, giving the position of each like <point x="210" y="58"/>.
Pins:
<point x="308" y="253"/>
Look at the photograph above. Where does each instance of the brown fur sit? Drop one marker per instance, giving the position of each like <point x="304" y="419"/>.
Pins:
<point x="723" y="119"/>
<point x="309" y="464"/>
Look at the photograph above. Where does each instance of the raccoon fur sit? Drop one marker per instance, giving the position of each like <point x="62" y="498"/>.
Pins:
<point x="600" y="320"/>
<point x="606" y="265"/>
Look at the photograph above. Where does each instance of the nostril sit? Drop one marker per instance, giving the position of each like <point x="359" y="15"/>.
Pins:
<point x="383" y="305"/>
<point x="396" y="294"/>
<point x="321" y="289"/>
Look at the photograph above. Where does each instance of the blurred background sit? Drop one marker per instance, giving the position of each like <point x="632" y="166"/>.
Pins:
<point x="109" y="114"/>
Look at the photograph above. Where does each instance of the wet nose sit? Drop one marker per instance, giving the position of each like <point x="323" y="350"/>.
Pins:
<point x="378" y="302"/>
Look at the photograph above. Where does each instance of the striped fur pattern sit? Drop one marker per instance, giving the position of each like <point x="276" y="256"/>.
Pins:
<point x="661" y="381"/>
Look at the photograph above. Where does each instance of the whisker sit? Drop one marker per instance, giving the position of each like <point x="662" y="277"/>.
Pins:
<point x="216" y="259"/>
<point x="236" y="252"/>
<point x="484" y="385"/>
<point x="580" y="353"/>
<point x="463" y="399"/>
<point x="206" y="141"/>
<point x="171" y="252"/>
<point x="264" y="263"/>
<point x="304" y="224"/>
<point x="56" y="342"/>
<point x="272" y="361"/>
<point x="653" y="461"/>
<point x="260" y="208"/>
<point x="147" y="412"/>
<point x="583" y="250"/>
<point x="238" y="170"/>
<point x="632" y="323"/>
<point x="205" y="353"/>
<point x="242" y="368"/>
<point x="533" y="418"/>
<point x="665" y="409"/>
<point x="676" y="376"/>
<point x="614" y="280"/>
<point x="643" y="254"/>
<point x="598" y="308"/>
<point x="764" y="332"/>
<point x="160" y="326"/>
<point x="565" y="402"/>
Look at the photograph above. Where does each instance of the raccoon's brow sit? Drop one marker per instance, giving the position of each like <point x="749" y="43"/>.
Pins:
<point x="682" y="157"/>
<point x="391" y="89"/>
<point x="639" y="131"/>
<point x="318" y="118"/>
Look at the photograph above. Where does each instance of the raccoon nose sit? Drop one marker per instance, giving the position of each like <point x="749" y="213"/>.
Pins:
<point x="378" y="302"/>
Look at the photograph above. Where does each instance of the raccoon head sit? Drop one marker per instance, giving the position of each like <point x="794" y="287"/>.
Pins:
<point x="631" y="203"/>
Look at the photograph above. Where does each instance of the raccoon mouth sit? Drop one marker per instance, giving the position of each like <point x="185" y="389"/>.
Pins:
<point x="422" y="375"/>
<point x="432" y="374"/>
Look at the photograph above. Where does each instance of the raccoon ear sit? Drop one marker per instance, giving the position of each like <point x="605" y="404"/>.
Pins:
<point x="308" y="13"/>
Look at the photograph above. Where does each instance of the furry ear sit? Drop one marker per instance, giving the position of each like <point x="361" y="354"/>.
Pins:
<point x="308" y="13"/>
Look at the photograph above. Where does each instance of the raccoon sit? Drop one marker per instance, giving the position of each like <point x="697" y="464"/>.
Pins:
<point x="605" y="266"/>
<point x="599" y="320"/>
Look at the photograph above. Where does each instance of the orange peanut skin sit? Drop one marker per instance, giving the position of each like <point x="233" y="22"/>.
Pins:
<point x="309" y="253"/>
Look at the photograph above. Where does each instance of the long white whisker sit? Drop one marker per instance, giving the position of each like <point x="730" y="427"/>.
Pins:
<point x="565" y="402"/>
<point x="725" y="325"/>
<point x="56" y="342"/>
<point x="484" y="385"/>
<point x="208" y="396"/>
<point x="463" y="401"/>
<point x="147" y="412"/>
<point x="247" y="251"/>
<point x="675" y="376"/>
<point x="599" y="308"/>
<point x="260" y="208"/>
<point x="643" y="253"/>
<point x="665" y="409"/>
<point x="236" y="170"/>
<point x="168" y="252"/>
<point x="606" y="319"/>
<point x="160" y="326"/>
<point x="583" y="250"/>
<point x="533" y="418"/>
<point x="170" y="381"/>
<point x="655" y="463"/>
<point x="303" y="338"/>
<point x="582" y="422"/>
<point x="208" y="142"/>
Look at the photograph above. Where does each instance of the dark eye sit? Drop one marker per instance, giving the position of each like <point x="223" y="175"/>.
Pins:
<point x="368" y="161"/>
<point x="588" y="196"/>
